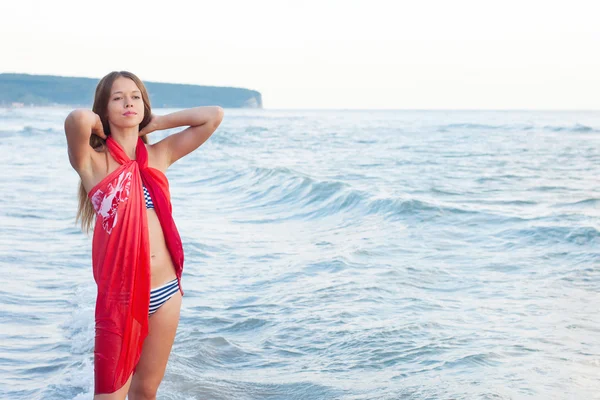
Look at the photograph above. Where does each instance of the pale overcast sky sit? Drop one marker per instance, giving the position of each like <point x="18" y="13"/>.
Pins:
<point x="419" y="54"/>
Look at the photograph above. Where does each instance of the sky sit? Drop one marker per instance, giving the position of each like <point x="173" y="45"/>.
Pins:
<point x="325" y="54"/>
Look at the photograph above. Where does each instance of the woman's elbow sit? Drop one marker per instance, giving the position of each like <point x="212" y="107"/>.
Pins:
<point x="78" y="116"/>
<point x="219" y="114"/>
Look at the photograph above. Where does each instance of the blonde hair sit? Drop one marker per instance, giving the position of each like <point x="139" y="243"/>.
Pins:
<point x="85" y="210"/>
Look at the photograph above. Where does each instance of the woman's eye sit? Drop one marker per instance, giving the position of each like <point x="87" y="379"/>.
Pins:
<point x="116" y="98"/>
<point x="136" y="97"/>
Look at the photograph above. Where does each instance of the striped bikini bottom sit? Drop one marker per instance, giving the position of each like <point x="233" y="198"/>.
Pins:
<point x="160" y="295"/>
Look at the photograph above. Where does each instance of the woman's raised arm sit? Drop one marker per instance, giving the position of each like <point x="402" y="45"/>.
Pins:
<point x="80" y="124"/>
<point x="202" y="122"/>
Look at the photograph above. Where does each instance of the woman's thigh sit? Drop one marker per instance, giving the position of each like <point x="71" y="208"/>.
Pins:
<point x="157" y="347"/>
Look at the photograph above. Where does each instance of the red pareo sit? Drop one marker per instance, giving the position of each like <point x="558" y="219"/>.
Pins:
<point x="121" y="262"/>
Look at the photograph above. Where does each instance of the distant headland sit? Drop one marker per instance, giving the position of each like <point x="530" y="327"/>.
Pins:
<point x="18" y="90"/>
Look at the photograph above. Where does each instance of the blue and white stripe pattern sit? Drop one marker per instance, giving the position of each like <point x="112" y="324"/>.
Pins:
<point x="159" y="295"/>
<point x="149" y="203"/>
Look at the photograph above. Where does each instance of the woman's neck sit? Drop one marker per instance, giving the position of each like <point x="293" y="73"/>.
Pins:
<point x="127" y="139"/>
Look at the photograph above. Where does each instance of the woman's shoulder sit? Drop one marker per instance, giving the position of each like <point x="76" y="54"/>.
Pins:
<point x="156" y="157"/>
<point x="102" y="165"/>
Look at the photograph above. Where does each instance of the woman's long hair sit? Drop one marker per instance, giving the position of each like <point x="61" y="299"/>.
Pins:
<point x="85" y="211"/>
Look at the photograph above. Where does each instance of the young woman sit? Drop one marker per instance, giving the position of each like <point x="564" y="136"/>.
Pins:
<point x="137" y="255"/>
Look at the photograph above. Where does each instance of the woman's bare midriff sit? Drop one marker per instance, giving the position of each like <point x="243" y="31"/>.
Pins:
<point x="161" y="266"/>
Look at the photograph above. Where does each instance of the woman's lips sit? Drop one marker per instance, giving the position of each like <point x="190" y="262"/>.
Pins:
<point x="127" y="114"/>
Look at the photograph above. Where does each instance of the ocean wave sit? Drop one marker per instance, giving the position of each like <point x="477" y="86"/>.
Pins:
<point x="467" y="125"/>
<point x="224" y="139"/>
<point x="28" y="131"/>
<point x="214" y="352"/>
<point x="591" y="202"/>
<point x="263" y="188"/>
<point x="552" y="235"/>
<point x="579" y="128"/>
<point x="477" y="360"/>
<point x="393" y="208"/>
<point x="292" y="195"/>
<point x="576" y="128"/>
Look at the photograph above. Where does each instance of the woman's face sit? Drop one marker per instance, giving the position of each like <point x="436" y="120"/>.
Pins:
<point x="125" y="105"/>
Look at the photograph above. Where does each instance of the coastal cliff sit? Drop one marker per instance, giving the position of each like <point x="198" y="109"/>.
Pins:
<point x="49" y="90"/>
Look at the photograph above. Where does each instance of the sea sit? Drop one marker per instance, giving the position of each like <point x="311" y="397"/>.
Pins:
<point x="331" y="254"/>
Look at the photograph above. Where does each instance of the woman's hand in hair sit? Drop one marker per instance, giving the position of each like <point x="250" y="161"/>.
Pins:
<point x="153" y="125"/>
<point x="97" y="128"/>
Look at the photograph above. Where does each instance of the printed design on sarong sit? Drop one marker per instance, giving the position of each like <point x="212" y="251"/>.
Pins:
<point x="106" y="203"/>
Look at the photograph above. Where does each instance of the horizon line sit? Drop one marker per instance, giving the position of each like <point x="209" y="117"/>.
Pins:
<point x="422" y="109"/>
<point x="345" y="108"/>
